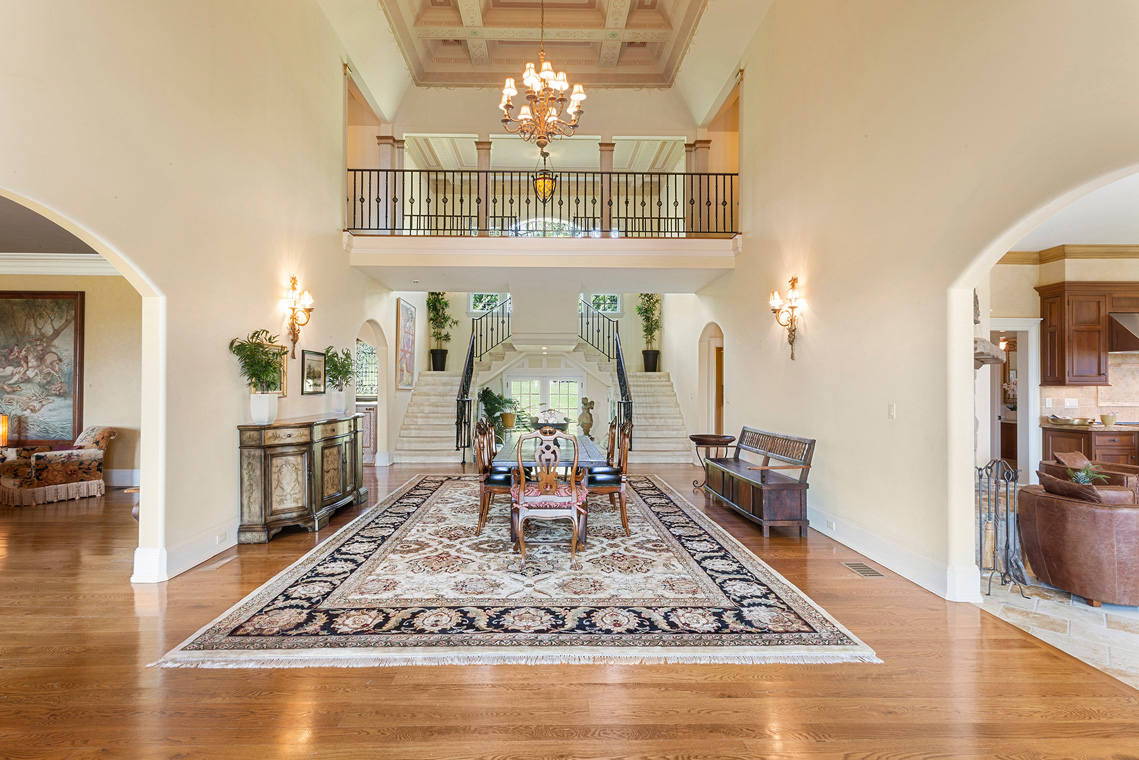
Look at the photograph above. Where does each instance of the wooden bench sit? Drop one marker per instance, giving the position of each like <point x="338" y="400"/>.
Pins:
<point x="765" y="493"/>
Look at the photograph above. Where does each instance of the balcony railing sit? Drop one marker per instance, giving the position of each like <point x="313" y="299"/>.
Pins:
<point x="505" y="203"/>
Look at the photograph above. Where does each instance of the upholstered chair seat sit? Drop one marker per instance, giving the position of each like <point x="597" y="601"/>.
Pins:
<point x="41" y="474"/>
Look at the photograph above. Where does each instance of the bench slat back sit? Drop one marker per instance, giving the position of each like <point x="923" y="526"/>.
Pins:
<point x="786" y="448"/>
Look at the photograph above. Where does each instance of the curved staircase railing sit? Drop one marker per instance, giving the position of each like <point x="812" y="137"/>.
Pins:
<point x="600" y="331"/>
<point x="487" y="333"/>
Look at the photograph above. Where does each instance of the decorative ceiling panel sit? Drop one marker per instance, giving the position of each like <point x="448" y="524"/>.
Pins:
<point x="615" y="43"/>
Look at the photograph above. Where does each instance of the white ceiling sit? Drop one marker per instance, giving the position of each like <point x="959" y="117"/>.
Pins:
<point x="1108" y="216"/>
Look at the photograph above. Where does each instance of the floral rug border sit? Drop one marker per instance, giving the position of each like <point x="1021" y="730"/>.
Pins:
<point x="213" y="647"/>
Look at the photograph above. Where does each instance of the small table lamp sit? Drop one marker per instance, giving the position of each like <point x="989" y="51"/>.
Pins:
<point x="3" y="430"/>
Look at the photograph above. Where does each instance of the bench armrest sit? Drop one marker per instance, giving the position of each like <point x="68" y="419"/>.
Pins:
<point x="783" y="467"/>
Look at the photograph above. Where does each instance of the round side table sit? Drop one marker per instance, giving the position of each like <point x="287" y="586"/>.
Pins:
<point x="713" y="445"/>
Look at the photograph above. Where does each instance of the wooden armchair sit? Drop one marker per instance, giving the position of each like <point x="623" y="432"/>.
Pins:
<point x="548" y="494"/>
<point x="493" y="481"/>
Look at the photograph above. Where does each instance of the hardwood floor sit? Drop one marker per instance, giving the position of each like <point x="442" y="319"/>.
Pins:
<point x="76" y="638"/>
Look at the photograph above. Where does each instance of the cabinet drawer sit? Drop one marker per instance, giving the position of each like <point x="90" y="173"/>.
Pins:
<point x="331" y="429"/>
<point x="277" y="436"/>
<point x="1116" y="456"/>
<point x="1115" y="440"/>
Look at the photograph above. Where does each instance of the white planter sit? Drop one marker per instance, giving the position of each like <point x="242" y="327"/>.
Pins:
<point x="339" y="400"/>
<point x="263" y="407"/>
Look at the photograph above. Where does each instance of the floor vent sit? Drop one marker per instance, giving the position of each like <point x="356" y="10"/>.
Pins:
<point x="863" y="569"/>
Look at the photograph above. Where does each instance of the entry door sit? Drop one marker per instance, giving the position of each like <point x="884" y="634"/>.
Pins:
<point x="719" y="390"/>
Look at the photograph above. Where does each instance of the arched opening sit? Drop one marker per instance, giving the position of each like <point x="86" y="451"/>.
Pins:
<point x="963" y="408"/>
<point x="372" y="389"/>
<point x="150" y="555"/>
<point x="711" y="378"/>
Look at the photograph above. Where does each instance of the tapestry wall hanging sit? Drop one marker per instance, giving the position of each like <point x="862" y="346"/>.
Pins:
<point x="405" y="358"/>
<point x="41" y="366"/>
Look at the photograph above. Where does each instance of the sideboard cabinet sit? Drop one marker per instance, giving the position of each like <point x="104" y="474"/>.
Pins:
<point x="1115" y="444"/>
<point x="298" y="472"/>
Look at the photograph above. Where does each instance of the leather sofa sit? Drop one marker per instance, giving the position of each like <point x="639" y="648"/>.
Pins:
<point x="1117" y="474"/>
<point x="1089" y="549"/>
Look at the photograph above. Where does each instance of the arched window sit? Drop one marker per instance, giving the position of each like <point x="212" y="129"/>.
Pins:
<point x="367" y="371"/>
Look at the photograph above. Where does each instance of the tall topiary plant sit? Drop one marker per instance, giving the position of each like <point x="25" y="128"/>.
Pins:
<point x="648" y="309"/>
<point x="440" y="320"/>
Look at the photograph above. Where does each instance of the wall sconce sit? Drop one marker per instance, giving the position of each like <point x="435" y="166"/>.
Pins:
<point x="300" y="309"/>
<point x="785" y="311"/>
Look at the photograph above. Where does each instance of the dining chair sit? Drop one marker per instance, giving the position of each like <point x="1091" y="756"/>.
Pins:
<point x="610" y="450"/>
<point x="548" y="493"/>
<point x="613" y="482"/>
<point x="492" y="481"/>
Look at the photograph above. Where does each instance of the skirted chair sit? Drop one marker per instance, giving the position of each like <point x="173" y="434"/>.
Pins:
<point x="1082" y="538"/>
<point x="42" y="474"/>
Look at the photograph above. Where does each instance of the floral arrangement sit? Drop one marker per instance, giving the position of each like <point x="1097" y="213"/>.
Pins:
<point x="550" y="416"/>
<point x="1010" y="387"/>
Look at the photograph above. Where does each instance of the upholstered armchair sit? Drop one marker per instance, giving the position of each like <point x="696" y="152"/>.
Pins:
<point x="42" y="474"/>
<point x="1113" y="474"/>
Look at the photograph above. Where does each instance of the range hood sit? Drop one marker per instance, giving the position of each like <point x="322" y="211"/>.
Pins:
<point x="1122" y="332"/>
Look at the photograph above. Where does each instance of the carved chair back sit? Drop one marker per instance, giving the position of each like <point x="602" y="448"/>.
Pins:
<point x="612" y="442"/>
<point x="624" y="443"/>
<point x="548" y="457"/>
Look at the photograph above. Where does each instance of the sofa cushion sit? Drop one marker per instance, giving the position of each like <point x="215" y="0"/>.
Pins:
<point x="604" y="480"/>
<point x="1073" y="459"/>
<point x="1068" y="489"/>
<point x="1116" y="495"/>
<point x="498" y="480"/>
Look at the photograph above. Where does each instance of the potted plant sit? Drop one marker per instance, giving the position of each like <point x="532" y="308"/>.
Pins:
<point x="502" y="411"/>
<point x="1088" y="475"/>
<point x="259" y="359"/>
<point x="648" y="309"/>
<point x="339" y="370"/>
<point x="441" y="321"/>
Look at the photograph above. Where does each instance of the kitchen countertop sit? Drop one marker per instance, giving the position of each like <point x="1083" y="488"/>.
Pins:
<point x="1104" y="428"/>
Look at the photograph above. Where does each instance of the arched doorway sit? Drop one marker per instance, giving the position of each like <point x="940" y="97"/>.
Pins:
<point x="372" y="391"/>
<point x="711" y="378"/>
<point x="963" y="571"/>
<point x="150" y="555"/>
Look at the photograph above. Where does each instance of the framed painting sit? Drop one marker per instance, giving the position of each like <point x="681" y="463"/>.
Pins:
<point x="312" y="373"/>
<point x="405" y="350"/>
<point x="281" y="386"/>
<point x="41" y="366"/>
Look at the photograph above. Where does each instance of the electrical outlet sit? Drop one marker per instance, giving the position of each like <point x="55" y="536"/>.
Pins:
<point x="1071" y="403"/>
<point x="1047" y="403"/>
<point x="830" y="525"/>
<point x="221" y="538"/>
<point x="892" y="412"/>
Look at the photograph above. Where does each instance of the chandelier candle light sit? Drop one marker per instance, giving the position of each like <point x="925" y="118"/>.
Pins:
<point x="546" y="115"/>
<point x="785" y="311"/>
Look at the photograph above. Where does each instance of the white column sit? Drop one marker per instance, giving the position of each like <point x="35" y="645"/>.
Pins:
<point x="606" y="156"/>
<point x="482" y="148"/>
<point x="705" y="216"/>
<point x="689" y="187"/>
<point x="386" y="184"/>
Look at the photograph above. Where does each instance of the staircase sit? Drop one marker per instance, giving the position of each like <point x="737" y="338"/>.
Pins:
<point x="428" y="430"/>
<point x="659" y="435"/>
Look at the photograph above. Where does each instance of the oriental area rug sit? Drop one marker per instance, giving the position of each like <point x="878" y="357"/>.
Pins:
<point x="409" y="583"/>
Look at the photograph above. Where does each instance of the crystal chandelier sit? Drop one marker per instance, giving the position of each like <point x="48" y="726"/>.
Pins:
<point x="546" y="115"/>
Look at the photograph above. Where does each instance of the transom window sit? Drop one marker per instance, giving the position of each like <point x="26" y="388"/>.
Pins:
<point x="486" y="301"/>
<point x="610" y="303"/>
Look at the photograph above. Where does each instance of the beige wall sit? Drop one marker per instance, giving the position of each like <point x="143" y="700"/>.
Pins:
<point x="890" y="177"/>
<point x="112" y="348"/>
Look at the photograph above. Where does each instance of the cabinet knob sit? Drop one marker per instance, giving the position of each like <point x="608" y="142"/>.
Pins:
<point x="1115" y="440"/>
<point x="288" y="435"/>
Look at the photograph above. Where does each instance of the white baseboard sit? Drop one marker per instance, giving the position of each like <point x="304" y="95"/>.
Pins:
<point x="121" y="478"/>
<point x="149" y="566"/>
<point x="197" y="549"/>
<point x="385" y="458"/>
<point x="955" y="584"/>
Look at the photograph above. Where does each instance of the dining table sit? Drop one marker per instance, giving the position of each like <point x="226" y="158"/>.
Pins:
<point x="588" y="455"/>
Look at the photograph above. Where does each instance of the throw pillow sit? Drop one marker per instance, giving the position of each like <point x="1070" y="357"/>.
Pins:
<point x="1068" y="489"/>
<point x="1073" y="459"/>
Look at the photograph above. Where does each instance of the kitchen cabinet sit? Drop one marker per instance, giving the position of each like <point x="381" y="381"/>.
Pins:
<point x="1103" y="445"/>
<point x="1076" y="331"/>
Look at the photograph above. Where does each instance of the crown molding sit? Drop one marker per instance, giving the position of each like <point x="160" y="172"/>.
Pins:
<point x="1070" y="252"/>
<point x="56" y="264"/>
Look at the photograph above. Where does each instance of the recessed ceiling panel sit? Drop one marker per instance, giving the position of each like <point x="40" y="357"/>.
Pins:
<point x="607" y="43"/>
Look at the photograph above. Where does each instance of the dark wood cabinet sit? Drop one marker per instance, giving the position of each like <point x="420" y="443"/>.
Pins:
<point x="1116" y="447"/>
<point x="1074" y="333"/>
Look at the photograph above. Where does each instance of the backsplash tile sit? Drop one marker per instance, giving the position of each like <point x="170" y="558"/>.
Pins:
<point x="1120" y="398"/>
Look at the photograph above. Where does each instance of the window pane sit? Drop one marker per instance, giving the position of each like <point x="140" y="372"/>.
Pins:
<point x="563" y="397"/>
<point x="528" y="393"/>
<point x="483" y="301"/>
<point x="367" y="371"/>
<point x="606" y="302"/>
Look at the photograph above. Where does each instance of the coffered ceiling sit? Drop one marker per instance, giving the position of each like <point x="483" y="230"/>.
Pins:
<point x="635" y="43"/>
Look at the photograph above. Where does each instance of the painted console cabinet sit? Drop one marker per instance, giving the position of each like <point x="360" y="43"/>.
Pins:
<point x="298" y="472"/>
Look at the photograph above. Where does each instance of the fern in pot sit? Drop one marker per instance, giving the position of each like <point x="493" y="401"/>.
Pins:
<point x="260" y="360"/>
<point x="339" y="371"/>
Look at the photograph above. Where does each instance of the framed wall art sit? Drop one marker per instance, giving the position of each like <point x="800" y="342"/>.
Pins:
<point x="41" y="366"/>
<point x="405" y="349"/>
<point x="312" y="373"/>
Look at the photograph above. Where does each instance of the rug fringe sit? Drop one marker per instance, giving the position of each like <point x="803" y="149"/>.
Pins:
<point x="516" y="659"/>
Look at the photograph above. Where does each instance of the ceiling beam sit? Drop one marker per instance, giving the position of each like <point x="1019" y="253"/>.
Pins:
<point x="616" y="18"/>
<point x="570" y="35"/>
<point x="470" y="11"/>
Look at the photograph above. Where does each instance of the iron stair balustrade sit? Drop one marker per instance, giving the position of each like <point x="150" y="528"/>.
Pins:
<point x="599" y="330"/>
<point x="464" y="203"/>
<point x="488" y="331"/>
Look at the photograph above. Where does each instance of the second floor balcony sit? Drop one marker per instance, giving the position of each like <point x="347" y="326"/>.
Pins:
<point x="565" y="204"/>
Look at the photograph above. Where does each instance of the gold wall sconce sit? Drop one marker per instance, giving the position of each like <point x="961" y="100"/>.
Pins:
<point x="300" y="309"/>
<point x="785" y="311"/>
<point x="3" y="430"/>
